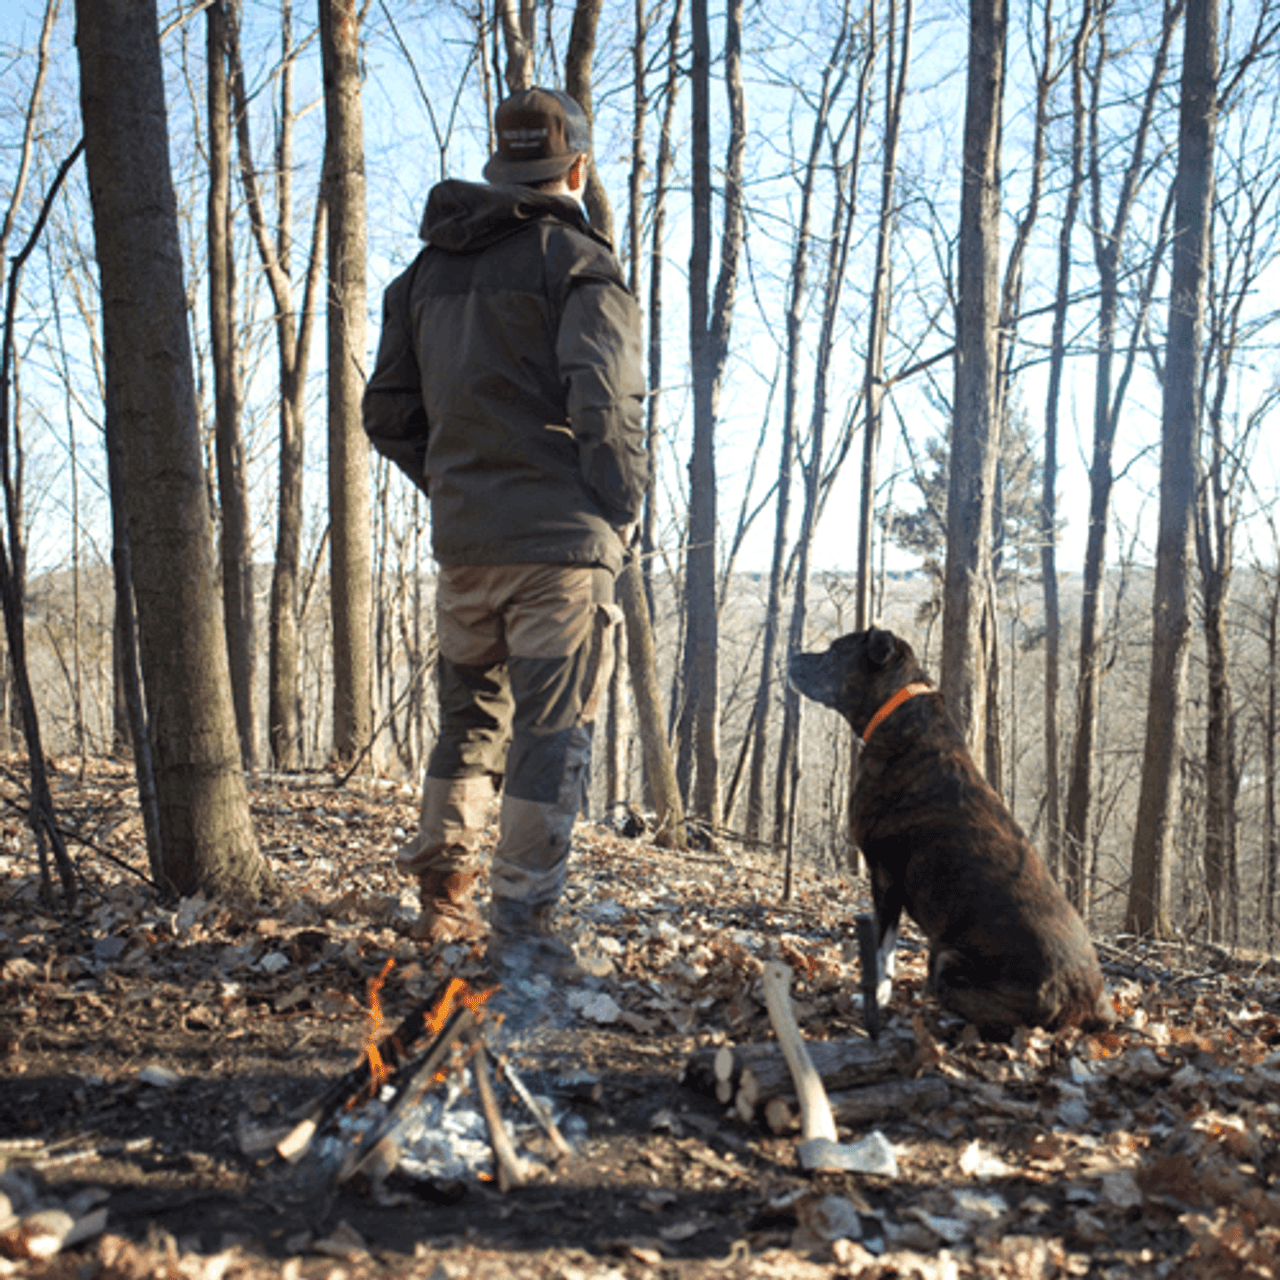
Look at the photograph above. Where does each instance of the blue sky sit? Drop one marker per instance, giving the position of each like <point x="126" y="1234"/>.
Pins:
<point x="785" y="52"/>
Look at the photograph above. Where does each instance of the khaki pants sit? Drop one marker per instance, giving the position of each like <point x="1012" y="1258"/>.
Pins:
<point x="526" y="652"/>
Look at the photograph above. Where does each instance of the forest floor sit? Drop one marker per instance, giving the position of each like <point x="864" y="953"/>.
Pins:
<point x="146" y="1047"/>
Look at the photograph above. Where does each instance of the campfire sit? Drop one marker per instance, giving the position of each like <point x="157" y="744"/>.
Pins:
<point x="380" y="1113"/>
<point x="405" y="1102"/>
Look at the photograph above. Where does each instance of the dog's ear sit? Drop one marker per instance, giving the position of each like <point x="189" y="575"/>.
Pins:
<point x="880" y="646"/>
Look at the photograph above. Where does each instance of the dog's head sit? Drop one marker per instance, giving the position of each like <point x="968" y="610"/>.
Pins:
<point x="857" y="674"/>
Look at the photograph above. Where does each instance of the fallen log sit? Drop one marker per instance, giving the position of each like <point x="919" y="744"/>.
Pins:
<point x="889" y="1100"/>
<point x="842" y="1064"/>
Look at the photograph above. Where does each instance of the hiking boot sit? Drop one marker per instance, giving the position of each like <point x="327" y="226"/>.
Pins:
<point x="522" y="942"/>
<point x="448" y="912"/>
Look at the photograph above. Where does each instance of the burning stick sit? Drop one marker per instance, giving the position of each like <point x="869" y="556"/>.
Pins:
<point x="418" y="1077"/>
<point x="391" y="1052"/>
<point x="536" y="1109"/>
<point x="510" y="1167"/>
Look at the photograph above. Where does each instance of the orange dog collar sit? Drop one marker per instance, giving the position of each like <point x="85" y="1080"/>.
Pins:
<point x="907" y="692"/>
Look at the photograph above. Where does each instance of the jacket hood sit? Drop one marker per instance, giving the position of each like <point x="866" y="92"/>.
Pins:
<point x="465" y="216"/>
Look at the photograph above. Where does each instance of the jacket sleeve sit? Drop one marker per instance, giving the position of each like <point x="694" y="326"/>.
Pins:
<point x="395" y="419"/>
<point x="598" y="349"/>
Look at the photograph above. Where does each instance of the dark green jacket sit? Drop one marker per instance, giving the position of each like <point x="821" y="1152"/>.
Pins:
<point x="508" y="383"/>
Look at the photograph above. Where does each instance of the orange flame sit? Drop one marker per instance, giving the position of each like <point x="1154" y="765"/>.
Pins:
<point x="456" y="993"/>
<point x="378" y="1070"/>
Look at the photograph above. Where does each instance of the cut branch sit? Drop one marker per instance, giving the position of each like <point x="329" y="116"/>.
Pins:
<point x="510" y="1167"/>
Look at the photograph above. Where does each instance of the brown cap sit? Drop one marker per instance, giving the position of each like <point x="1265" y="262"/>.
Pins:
<point x="541" y="132"/>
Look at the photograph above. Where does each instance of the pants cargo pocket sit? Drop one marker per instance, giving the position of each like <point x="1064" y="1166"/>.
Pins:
<point x="600" y="662"/>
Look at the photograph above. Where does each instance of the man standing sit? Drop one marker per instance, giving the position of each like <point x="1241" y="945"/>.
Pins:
<point x="508" y="386"/>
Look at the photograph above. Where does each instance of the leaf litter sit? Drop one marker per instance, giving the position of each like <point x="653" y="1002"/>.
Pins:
<point x="151" y="1049"/>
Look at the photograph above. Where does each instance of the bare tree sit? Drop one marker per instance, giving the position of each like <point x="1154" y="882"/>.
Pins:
<point x="1049" y="491"/>
<point x="516" y="19"/>
<point x="1148" y="907"/>
<point x="897" y="62"/>
<point x="659" y="766"/>
<point x="1271" y="724"/>
<point x="1108" y="246"/>
<point x="968" y="632"/>
<point x="236" y="544"/>
<point x="350" y="551"/>
<point x="206" y="836"/>
<point x="834" y="74"/>
<point x="293" y="328"/>
<point x="818" y="469"/>
<point x="10" y="715"/>
<point x="1044" y="59"/>
<point x="663" y="166"/>
<point x="710" y="321"/>
<point x="1245" y="247"/>
<point x="578" y="60"/>
<point x="41" y="815"/>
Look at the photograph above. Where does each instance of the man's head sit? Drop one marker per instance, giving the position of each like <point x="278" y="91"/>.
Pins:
<point x="544" y="140"/>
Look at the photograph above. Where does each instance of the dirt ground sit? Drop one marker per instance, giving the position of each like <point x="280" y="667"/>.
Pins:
<point x="151" y="1050"/>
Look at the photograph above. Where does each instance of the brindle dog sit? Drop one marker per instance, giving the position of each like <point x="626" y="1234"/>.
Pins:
<point x="1006" y="947"/>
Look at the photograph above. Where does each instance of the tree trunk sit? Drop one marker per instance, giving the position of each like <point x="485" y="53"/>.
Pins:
<point x="350" y="572"/>
<point x="842" y="220"/>
<point x="895" y="89"/>
<point x="293" y="344"/>
<point x="1270" y="842"/>
<point x="617" y="730"/>
<point x="516" y="18"/>
<point x="637" y="647"/>
<point x="709" y="324"/>
<point x="284" y="716"/>
<point x="134" y="723"/>
<point x="659" y="767"/>
<point x="699" y="693"/>
<point x="967" y="629"/>
<point x="1215" y="586"/>
<point x="1222" y="480"/>
<point x="1148" y="907"/>
<point x="1049" y="480"/>
<point x="236" y="543"/>
<point x="577" y="83"/>
<point x="665" y="163"/>
<point x="206" y="835"/>
<point x="1007" y="333"/>
<point x="1106" y="413"/>
<point x="758" y="728"/>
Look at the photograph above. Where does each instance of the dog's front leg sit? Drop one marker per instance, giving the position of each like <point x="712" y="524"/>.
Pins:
<point x="877" y="938"/>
